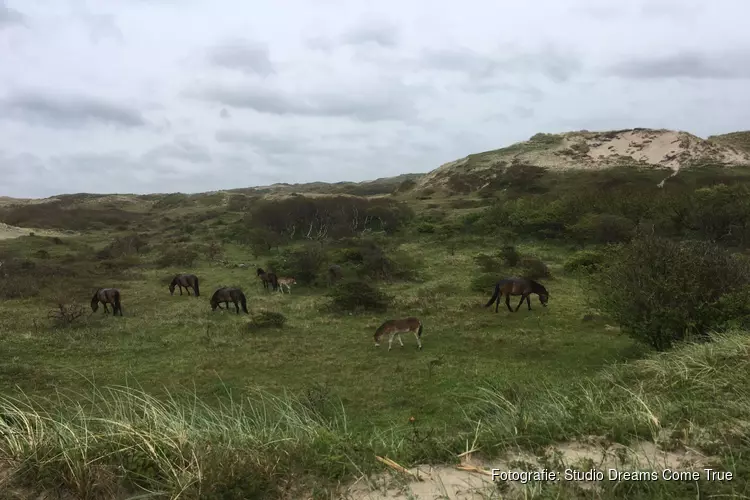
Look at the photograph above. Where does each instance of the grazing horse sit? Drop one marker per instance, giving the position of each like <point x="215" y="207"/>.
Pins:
<point x="518" y="286"/>
<point x="334" y="274"/>
<point x="268" y="277"/>
<point x="187" y="281"/>
<point x="395" y="327"/>
<point x="227" y="295"/>
<point x="107" y="296"/>
<point x="286" y="282"/>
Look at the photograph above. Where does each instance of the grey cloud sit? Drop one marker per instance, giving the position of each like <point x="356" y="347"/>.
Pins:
<point x="687" y="64"/>
<point x="224" y="113"/>
<point x="486" y="86"/>
<point x="522" y="112"/>
<point x="378" y="32"/>
<point x="389" y="102"/>
<point x="9" y="17"/>
<point x="265" y="143"/>
<point x="182" y="148"/>
<point x="551" y="62"/>
<point x="369" y="32"/>
<point x="242" y="55"/>
<point x="67" y="110"/>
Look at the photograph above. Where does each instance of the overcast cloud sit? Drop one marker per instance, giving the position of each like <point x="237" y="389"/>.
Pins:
<point x="196" y="95"/>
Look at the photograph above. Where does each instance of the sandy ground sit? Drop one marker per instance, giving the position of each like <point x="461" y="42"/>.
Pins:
<point x="7" y="232"/>
<point x="453" y="483"/>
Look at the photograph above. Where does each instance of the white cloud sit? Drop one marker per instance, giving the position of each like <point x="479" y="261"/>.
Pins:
<point x="191" y="95"/>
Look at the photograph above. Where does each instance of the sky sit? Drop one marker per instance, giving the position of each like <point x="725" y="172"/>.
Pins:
<point x="161" y="96"/>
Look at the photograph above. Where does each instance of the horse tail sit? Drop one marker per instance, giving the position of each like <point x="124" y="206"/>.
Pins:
<point x="197" y="288"/>
<point x="494" y="295"/>
<point x="243" y="302"/>
<point x="419" y="331"/>
<point x="117" y="301"/>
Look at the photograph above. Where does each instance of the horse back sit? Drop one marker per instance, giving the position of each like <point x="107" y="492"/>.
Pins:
<point x="401" y="325"/>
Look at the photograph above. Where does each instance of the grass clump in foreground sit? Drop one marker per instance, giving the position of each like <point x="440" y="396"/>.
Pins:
<point x="120" y="441"/>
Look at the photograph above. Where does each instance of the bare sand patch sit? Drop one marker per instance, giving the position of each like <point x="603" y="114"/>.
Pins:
<point x="446" y="482"/>
<point x="8" y="232"/>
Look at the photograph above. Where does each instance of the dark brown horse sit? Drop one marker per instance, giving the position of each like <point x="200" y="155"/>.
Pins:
<point x="185" y="280"/>
<point x="334" y="274"/>
<point x="518" y="286"/>
<point x="107" y="296"/>
<point x="268" y="277"/>
<point x="227" y="295"/>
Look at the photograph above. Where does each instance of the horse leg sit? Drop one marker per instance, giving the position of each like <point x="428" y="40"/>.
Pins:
<point x="419" y="342"/>
<point x="105" y="308"/>
<point x="523" y="297"/>
<point x="528" y="301"/>
<point x="497" y="302"/>
<point x="236" y="306"/>
<point x="180" y="288"/>
<point x="400" y="341"/>
<point x="507" y="302"/>
<point x="390" y="341"/>
<point x="188" y="290"/>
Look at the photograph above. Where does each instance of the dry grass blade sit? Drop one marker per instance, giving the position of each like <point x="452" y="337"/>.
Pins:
<point x="390" y="463"/>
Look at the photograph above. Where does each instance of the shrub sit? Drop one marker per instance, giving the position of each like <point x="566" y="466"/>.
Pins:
<point x="357" y="296"/>
<point x="510" y="255"/>
<point x="304" y="264"/>
<point x="602" y="228"/>
<point x="661" y="291"/>
<point x="266" y="319"/>
<point x="584" y="261"/>
<point x="372" y="262"/>
<point x="177" y="257"/>
<point x="66" y="314"/>
<point x="17" y="287"/>
<point x="534" y="269"/>
<point x="487" y="263"/>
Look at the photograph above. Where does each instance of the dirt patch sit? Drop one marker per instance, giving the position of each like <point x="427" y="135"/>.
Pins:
<point x="447" y="482"/>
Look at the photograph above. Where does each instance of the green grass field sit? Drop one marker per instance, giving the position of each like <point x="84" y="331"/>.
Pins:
<point x="178" y="343"/>
<point x="176" y="401"/>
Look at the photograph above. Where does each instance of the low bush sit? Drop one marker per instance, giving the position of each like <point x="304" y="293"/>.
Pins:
<point x="586" y="261"/>
<point x="662" y="291"/>
<point x="357" y="296"/>
<point x="266" y="319"/>
<point x="305" y="264"/>
<point x="177" y="257"/>
<point x="534" y="269"/>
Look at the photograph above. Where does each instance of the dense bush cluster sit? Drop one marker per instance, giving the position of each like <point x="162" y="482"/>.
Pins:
<point x="58" y="215"/>
<point x="357" y="296"/>
<point x="301" y="217"/>
<point x="609" y="206"/>
<point x="661" y="291"/>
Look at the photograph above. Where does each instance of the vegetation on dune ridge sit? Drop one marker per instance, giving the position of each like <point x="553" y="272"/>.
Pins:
<point x="293" y="400"/>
